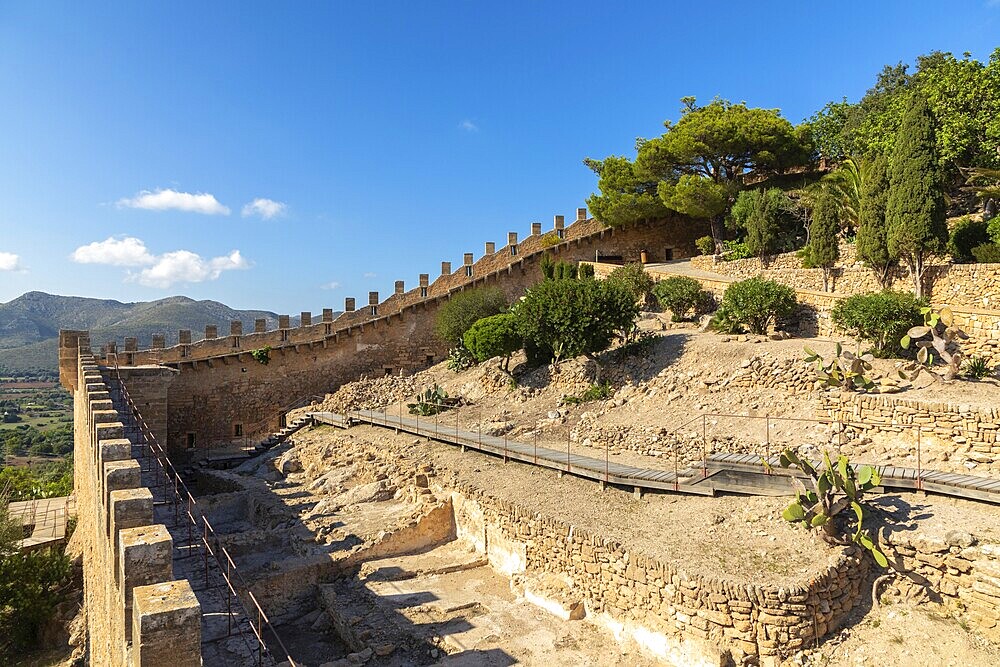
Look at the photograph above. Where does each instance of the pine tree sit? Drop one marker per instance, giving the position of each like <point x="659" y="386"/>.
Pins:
<point x="914" y="211"/>
<point x="871" y="241"/>
<point x="823" y="249"/>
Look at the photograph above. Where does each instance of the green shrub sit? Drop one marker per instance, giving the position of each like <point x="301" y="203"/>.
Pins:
<point x="879" y="319"/>
<point x="561" y="319"/>
<point x="586" y="272"/>
<point x="460" y="359"/>
<point x="705" y="245"/>
<point x="733" y="250"/>
<point x="595" y="392"/>
<point x="262" y="356"/>
<point x="966" y="235"/>
<point x="987" y="253"/>
<point x="680" y="295"/>
<point x="31" y="585"/>
<point x="494" y="336"/>
<point x="976" y="367"/>
<point x="464" y="309"/>
<point x="561" y="270"/>
<point x="757" y="304"/>
<point x="633" y="277"/>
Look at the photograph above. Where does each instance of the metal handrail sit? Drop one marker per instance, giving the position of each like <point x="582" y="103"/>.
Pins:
<point x="228" y="573"/>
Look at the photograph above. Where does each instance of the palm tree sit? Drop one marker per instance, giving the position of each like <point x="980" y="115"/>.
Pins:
<point x="844" y="185"/>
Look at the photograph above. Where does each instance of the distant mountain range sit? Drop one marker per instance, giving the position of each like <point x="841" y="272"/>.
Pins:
<point x="30" y="324"/>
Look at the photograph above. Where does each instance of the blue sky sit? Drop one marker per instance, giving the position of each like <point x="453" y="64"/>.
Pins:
<point x="284" y="156"/>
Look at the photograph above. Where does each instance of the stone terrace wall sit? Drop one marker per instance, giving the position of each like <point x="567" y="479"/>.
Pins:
<point x="137" y="614"/>
<point x="671" y="613"/>
<point x="813" y="316"/>
<point x="975" y="286"/>
<point x="964" y="572"/>
<point x="968" y="429"/>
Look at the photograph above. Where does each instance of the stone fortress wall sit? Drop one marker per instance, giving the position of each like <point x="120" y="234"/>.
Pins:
<point x="219" y="393"/>
<point x="137" y="613"/>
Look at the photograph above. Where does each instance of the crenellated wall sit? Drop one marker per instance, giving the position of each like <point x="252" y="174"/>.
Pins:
<point x="137" y="613"/>
<point x="220" y="394"/>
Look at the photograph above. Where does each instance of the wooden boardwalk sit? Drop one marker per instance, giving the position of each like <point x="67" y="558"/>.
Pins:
<point x="725" y="473"/>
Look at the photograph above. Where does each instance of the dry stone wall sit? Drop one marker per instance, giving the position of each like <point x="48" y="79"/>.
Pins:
<point x="674" y="614"/>
<point x="957" y="288"/>
<point x="974" y="286"/>
<point x="963" y="571"/>
<point x="969" y="430"/>
<point x="137" y="614"/>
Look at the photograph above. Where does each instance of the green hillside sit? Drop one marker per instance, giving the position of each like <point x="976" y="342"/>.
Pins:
<point x="30" y="324"/>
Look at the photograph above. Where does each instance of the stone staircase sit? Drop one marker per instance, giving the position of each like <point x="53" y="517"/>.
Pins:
<point x="277" y="438"/>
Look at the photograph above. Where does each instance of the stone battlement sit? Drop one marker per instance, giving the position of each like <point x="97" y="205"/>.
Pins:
<point x="471" y="273"/>
<point x="218" y="394"/>
<point x="137" y="613"/>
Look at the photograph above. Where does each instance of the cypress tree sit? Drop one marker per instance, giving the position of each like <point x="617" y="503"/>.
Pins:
<point x="914" y="211"/>
<point x="823" y="248"/>
<point x="872" y="245"/>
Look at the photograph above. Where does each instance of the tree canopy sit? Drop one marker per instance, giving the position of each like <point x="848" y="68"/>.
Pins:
<point x="914" y="211"/>
<point x="964" y="98"/>
<point x="625" y="197"/>
<point x="872" y="248"/>
<point x="699" y="164"/>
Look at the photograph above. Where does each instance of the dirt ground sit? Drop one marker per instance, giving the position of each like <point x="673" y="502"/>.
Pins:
<point x="657" y="397"/>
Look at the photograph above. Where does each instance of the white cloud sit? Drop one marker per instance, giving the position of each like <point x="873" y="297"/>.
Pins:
<point x="370" y="275"/>
<point x="10" y="262"/>
<point x="127" y="251"/>
<point x="468" y="126"/>
<point x="264" y="208"/>
<point x="167" y="200"/>
<point x="330" y="285"/>
<point x="184" y="266"/>
<point x="179" y="266"/>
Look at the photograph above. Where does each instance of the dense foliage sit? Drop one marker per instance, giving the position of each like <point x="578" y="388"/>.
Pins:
<point x="625" y="197"/>
<point x="756" y="304"/>
<point x="494" y="336"/>
<point x="633" y="277"/>
<point x="914" y="209"/>
<point x="49" y="480"/>
<point x="987" y="253"/>
<point x="560" y="319"/>
<point x="879" y="319"/>
<point x="705" y="245"/>
<point x="31" y="585"/>
<point x="767" y="219"/>
<point x="872" y="245"/>
<point x="698" y="165"/>
<point x="25" y="440"/>
<point x="560" y="270"/>
<point x="966" y="235"/>
<point x="681" y="295"/>
<point x="463" y="310"/>
<point x="823" y="249"/>
<point x="964" y="99"/>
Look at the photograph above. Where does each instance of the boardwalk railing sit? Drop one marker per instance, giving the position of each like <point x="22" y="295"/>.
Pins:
<point x="684" y="476"/>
